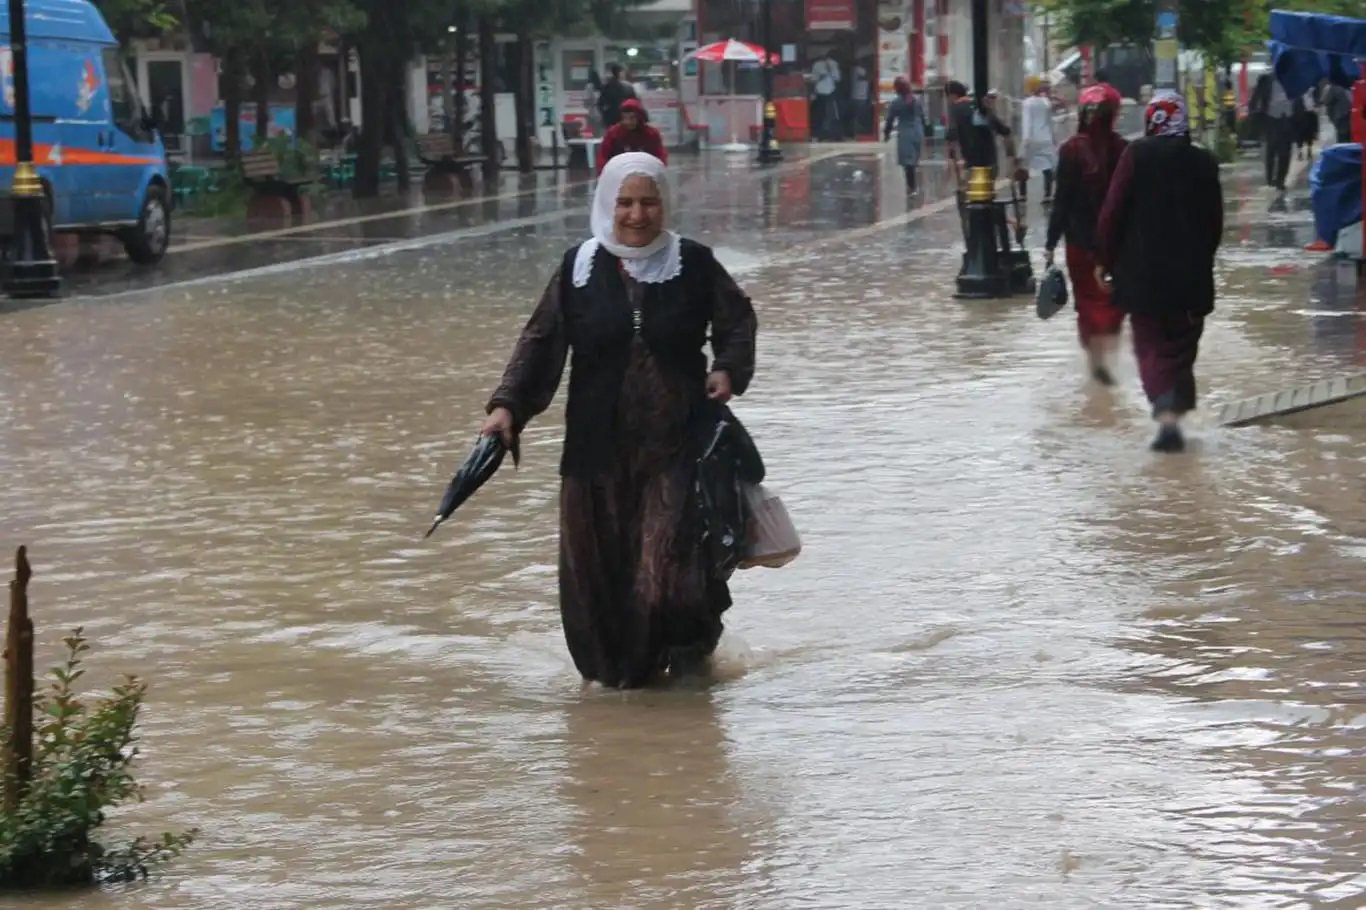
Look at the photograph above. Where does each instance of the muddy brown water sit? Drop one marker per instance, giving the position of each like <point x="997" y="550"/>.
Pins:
<point x="1022" y="661"/>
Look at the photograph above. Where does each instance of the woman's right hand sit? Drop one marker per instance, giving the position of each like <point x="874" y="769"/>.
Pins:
<point x="499" y="423"/>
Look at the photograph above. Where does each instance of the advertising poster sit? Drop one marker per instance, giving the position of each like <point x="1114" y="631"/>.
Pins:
<point x="281" y="123"/>
<point x="893" y="46"/>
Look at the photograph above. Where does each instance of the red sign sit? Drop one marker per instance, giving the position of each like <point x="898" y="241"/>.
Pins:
<point x="832" y="15"/>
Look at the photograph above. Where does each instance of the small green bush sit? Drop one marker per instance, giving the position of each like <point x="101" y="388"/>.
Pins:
<point x="83" y="752"/>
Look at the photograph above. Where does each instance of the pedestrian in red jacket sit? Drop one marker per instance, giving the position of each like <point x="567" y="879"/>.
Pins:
<point x="632" y="134"/>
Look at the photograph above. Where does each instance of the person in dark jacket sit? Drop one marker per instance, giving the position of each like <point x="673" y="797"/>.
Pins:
<point x="614" y="93"/>
<point x="632" y="134"/>
<point x="632" y="310"/>
<point x="1156" y="238"/>
<point x="1337" y="104"/>
<point x="1086" y="162"/>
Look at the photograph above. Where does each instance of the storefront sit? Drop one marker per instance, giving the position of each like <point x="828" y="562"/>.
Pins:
<point x="872" y="43"/>
<point x="563" y="73"/>
<point x="867" y="42"/>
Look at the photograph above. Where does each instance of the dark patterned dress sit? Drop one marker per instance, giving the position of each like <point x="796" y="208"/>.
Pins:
<point x="636" y="596"/>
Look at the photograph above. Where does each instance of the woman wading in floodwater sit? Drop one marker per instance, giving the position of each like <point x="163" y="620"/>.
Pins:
<point x="1157" y="235"/>
<point x="1086" y="163"/>
<point x="632" y="309"/>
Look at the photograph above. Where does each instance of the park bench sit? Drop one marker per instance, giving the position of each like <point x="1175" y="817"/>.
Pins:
<point x="261" y="171"/>
<point x="437" y="151"/>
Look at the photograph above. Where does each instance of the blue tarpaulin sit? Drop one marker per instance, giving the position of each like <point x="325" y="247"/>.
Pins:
<point x="1335" y="189"/>
<point x="1308" y="47"/>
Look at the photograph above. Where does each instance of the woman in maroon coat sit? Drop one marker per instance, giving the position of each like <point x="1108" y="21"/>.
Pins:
<point x="1157" y="236"/>
<point x="1086" y="162"/>
<point x="632" y="134"/>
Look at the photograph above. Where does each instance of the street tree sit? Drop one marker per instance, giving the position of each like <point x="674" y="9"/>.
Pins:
<point x="1221" y="29"/>
<point x="129" y="19"/>
<point x="234" y="32"/>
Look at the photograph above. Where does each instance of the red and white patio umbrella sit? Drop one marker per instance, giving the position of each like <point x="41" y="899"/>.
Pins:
<point x="731" y="50"/>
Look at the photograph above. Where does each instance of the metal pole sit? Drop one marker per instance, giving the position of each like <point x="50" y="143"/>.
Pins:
<point x="33" y="271"/>
<point x="769" y="153"/>
<point x="1165" y="46"/>
<point x="981" y="276"/>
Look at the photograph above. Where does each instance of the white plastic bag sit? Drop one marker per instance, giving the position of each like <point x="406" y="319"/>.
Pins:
<point x="773" y="541"/>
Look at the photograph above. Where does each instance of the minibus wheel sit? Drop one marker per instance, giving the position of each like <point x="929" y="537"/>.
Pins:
<point x="147" y="242"/>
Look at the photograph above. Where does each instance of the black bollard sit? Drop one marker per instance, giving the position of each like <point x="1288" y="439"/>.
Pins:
<point x="981" y="277"/>
<point x="33" y="270"/>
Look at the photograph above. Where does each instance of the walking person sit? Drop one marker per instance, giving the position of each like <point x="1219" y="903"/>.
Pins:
<point x="970" y="146"/>
<point x="1337" y="105"/>
<point x="632" y="309"/>
<point x="591" y="94"/>
<point x="1307" y="125"/>
<point x="1038" y="137"/>
<point x="1086" y="163"/>
<point x="613" y="94"/>
<point x="860" y="103"/>
<point x="1277" y="113"/>
<point x="906" y="116"/>
<point x="632" y="134"/>
<point x="1157" y="235"/>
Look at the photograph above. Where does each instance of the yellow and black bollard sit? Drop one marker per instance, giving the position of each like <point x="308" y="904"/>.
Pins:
<point x="32" y="268"/>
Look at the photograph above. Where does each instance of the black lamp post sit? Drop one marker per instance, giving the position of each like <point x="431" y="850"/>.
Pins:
<point x="981" y="276"/>
<point x="769" y="153"/>
<point x="33" y="271"/>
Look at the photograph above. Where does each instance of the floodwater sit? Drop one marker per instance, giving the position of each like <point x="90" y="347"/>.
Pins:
<point x="1021" y="662"/>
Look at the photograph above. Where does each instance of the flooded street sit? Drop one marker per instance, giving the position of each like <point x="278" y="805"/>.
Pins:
<point x="1021" y="662"/>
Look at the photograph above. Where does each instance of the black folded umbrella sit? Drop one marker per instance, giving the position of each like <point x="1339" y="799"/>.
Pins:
<point x="481" y="464"/>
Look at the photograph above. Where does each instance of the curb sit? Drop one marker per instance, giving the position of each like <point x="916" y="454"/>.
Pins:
<point x="1267" y="407"/>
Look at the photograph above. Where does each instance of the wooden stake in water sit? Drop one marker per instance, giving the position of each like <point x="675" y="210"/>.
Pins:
<point x="18" y="755"/>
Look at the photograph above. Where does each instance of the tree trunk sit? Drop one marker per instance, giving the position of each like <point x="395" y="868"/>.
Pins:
<point x="488" y="124"/>
<point x="397" y="132"/>
<point x="232" y="106"/>
<point x="370" y="149"/>
<point x="260" y="94"/>
<point x="526" y="105"/>
<point x="462" y="58"/>
<point x="306" y="87"/>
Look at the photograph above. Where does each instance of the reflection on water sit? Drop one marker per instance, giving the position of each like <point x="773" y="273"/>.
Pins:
<point x="1020" y="662"/>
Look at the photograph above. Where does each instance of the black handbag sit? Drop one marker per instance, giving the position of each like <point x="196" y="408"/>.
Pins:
<point x="1052" y="295"/>
<point x="728" y="460"/>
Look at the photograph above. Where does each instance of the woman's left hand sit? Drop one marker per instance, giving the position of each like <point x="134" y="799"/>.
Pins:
<point x="718" y="386"/>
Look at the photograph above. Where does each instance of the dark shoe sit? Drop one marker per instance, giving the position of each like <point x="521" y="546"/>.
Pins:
<point x="1103" y="376"/>
<point x="1169" y="440"/>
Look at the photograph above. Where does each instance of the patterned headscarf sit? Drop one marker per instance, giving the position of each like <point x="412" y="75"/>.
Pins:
<point x="1166" y="115"/>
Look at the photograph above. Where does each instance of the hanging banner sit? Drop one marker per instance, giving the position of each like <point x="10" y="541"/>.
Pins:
<point x="831" y="15"/>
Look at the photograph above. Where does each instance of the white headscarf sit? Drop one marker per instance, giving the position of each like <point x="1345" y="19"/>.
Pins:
<point x="659" y="261"/>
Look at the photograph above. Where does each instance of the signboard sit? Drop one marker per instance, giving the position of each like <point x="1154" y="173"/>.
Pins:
<point x="281" y="124"/>
<point x="1165" y="50"/>
<point x="545" y="92"/>
<point x="893" y="46"/>
<point x="831" y="15"/>
<point x="665" y="116"/>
